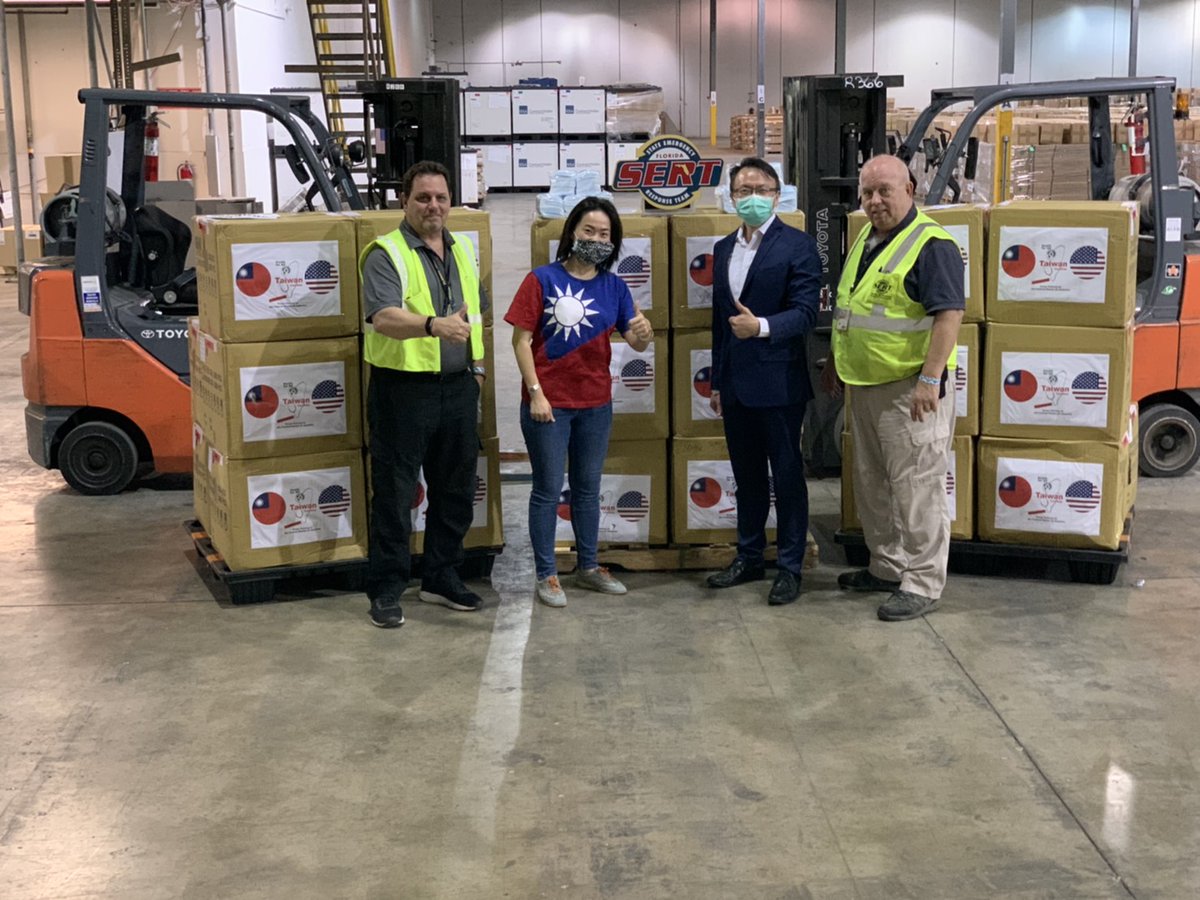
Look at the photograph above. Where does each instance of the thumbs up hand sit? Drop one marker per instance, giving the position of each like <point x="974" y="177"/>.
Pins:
<point x="745" y="324"/>
<point x="454" y="328"/>
<point x="640" y="327"/>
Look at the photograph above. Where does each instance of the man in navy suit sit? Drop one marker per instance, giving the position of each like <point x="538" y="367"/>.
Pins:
<point x="766" y="289"/>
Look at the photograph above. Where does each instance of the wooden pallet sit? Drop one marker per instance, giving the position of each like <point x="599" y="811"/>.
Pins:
<point x="673" y="558"/>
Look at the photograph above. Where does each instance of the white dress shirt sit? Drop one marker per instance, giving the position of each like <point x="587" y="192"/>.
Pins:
<point x="740" y="261"/>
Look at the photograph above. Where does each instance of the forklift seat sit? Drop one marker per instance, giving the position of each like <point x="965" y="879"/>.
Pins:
<point x="159" y="258"/>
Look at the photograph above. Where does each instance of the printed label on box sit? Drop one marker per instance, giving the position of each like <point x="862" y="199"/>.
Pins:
<point x="700" y="270"/>
<point x="292" y="508"/>
<point x="1064" y="265"/>
<point x="286" y="280"/>
<point x="1054" y="389"/>
<point x="624" y="509"/>
<point x="702" y="387"/>
<point x="962" y="237"/>
<point x="961" y="379"/>
<point x="1048" y="496"/>
<point x="952" y="486"/>
<point x="632" y="379"/>
<point x="712" y="495"/>
<point x="474" y="238"/>
<point x="420" y="501"/>
<point x="306" y="400"/>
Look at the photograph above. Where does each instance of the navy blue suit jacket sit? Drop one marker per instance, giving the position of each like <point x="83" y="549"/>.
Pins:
<point x="784" y="287"/>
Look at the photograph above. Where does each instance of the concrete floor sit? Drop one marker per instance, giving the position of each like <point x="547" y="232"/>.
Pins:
<point x="1032" y="739"/>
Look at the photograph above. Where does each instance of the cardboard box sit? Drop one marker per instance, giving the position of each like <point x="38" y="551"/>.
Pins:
<point x="487" y="526"/>
<point x="693" y="236"/>
<point x="487" y="395"/>
<point x="704" y="504"/>
<point x="640" y="391"/>
<point x="642" y="264"/>
<point x="62" y="170"/>
<point x="967" y="379"/>
<point x="474" y="223"/>
<point x="1062" y="263"/>
<point x="200" y="486"/>
<point x="8" y="244"/>
<point x="634" y="496"/>
<point x="1057" y="384"/>
<point x="283" y="398"/>
<point x="287" y="510"/>
<point x="1055" y="493"/>
<point x="277" y="278"/>
<point x="960" y="488"/>
<point x="966" y="225"/>
<point x="691" y="385"/>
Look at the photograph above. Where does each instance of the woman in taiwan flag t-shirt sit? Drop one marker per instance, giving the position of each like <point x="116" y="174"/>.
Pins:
<point x="562" y="317"/>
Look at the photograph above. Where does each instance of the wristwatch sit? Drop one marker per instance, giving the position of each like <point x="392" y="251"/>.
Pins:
<point x="479" y="370"/>
<point x="533" y="389"/>
<point x="429" y="326"/>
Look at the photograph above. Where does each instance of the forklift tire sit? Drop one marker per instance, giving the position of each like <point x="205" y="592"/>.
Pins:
<point x="98" y="458"/>
<point x="1170" y="441"/>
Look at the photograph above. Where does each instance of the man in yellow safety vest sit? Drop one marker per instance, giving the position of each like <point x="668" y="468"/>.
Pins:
<point x="899" y="306"/>
<point x="424" y="344"/>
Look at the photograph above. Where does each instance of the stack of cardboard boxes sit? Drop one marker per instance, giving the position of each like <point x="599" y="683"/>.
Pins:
<point x="276" y="397"/>
<point x="1057" y="460"/>
<point x="1046" y="382"/>
<point x="279" y="390"/>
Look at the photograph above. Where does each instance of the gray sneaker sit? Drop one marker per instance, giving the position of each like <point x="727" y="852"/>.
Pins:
<point x="599" y="579"/>
<point x="550" y="592"/>
<point x="905" y="605"/>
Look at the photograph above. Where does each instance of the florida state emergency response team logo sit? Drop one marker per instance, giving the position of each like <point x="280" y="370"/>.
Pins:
<point x="668" y="171"/>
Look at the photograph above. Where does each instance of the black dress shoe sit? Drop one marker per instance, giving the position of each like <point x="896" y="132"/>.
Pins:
<point x="738" y="572"/>
<point x="785" y="589"/>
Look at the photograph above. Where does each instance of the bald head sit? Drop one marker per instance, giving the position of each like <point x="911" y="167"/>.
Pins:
<point x="885" y="191"/>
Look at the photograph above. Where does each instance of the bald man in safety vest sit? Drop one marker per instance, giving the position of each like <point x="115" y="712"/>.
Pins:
<point x="899" y="306"/>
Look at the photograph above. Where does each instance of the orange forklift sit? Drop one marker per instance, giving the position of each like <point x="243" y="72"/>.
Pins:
<point x="1166" y="359"/>
<point x="106" y="376"/>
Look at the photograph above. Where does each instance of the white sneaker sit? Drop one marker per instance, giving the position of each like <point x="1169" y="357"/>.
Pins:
<point x="599" y="579"/>
<point x="550" y="592"/>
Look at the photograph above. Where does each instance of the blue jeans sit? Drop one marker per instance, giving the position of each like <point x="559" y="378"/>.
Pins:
<point x="582" y="436"/>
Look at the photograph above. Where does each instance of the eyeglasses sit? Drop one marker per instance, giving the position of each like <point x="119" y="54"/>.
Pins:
<point x="743" y="193"/>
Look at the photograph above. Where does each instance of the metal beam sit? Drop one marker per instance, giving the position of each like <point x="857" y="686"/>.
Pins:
<point x="760" y="139"/>
<point x="1134" y="10"/>
<point x="13" y="172"/>
<point x="89" y="13"/>
<point x="1008" y="40"/>
<point x="839" y="37"/>
<point x="712" y="72"/>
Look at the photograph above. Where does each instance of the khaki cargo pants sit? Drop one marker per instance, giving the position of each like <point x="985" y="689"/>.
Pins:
<point x="900" y="483"/>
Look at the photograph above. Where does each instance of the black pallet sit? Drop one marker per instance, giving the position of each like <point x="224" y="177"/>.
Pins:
<point x="1020" y="560"/>
<point x="261" y="585"/>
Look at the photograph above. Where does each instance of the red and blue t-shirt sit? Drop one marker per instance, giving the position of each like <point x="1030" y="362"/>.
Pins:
<point x="571" y="320"/>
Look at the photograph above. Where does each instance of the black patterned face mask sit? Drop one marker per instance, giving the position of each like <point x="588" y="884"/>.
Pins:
<point x="591" y="253"/>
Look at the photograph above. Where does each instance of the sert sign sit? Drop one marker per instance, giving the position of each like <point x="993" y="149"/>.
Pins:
<point x="668" y="171"/>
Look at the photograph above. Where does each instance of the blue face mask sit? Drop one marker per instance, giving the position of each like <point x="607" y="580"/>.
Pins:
<point x="754" y="210"/>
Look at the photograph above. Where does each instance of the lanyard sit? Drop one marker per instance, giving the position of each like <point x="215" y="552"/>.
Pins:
<point x="441" y="268"/>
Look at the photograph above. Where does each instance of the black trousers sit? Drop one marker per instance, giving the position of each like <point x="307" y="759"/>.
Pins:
<point x="755" y="435"/>
<point x="420" y="421"/>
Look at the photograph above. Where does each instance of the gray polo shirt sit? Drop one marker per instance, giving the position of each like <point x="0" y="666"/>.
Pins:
<point x="382" y="287"/>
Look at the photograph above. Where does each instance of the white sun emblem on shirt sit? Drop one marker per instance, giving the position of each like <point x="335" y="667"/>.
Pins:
<point x="569" y="311"/>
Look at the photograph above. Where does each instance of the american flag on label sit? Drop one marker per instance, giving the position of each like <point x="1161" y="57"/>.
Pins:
<point x="321" y="276"/>
<point x="634" y="271"/>
<point x="1089" y="388"/>
<point x="1087" y="262"/>
<point x="328" y="396"/>
<point x="633" y="506"/>
<point x="1083" y="496"/>
<point x="334" y="500"/>
<point x="637" y="374"/>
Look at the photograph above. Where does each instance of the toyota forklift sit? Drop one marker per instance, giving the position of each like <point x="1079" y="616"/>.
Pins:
<point x="106" y="375"/>
<point x="1166" y="345"/>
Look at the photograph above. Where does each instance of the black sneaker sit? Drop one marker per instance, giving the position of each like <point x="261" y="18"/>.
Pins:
<point x="386" y="611"/>
<point x="904" y="605"/>
<point x="863" y="580"/>
<point x="446" y="589"/>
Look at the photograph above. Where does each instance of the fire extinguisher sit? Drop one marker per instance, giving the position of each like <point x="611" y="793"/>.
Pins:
<point x="185" y="172"/>
<point x="1138" y="151"/>
<point x="151" y="151"/>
